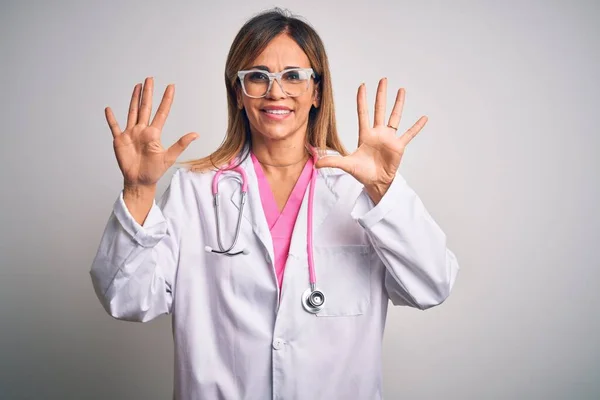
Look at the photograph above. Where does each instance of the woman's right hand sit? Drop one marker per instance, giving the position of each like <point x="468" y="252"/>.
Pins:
<point x="141" y="157"/>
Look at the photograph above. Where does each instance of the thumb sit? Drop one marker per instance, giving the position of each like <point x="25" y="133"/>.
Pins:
<point x="343" y="163"/>
<point x="179" y="146"/>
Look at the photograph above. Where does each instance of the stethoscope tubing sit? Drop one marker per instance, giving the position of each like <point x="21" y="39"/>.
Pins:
<point x="313" y="299"/>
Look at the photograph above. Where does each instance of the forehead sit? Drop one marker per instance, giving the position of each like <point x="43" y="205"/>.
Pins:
<point x="281" y="52"/>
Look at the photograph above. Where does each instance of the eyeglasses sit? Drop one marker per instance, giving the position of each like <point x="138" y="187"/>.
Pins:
<point x="293" y="81"/>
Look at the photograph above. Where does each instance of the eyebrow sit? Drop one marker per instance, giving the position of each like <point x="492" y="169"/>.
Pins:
<point x="265" y="68"/>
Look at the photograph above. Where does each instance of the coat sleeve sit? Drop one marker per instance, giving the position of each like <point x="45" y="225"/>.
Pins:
<point x="134" y="269"/>
<point x="420" y="269"/>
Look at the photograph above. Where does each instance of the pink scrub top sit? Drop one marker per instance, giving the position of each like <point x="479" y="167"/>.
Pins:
<point x="281" y="224"/>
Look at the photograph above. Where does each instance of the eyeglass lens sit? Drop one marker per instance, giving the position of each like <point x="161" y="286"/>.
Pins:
<point x="293" y="83"/>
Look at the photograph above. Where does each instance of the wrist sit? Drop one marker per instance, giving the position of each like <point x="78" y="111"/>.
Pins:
<point x="377" y="191"/>
<point x="138" y="192"/>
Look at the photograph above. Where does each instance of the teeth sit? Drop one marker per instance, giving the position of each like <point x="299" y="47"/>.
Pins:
<point x="277" y="111"/>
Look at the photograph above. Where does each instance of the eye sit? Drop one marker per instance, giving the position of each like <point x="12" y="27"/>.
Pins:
<point x="293" y="76"/>
<point x="257" y="77"/>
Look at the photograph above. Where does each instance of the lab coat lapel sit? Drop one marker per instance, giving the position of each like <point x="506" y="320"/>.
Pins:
<point x="324" y="200"/>
<point x="253" y="210"/>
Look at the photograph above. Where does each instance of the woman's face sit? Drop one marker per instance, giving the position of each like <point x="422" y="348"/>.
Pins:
<point x="281" y="53"/>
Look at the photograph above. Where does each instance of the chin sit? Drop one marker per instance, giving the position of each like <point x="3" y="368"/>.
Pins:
<point x="274" y="131"/>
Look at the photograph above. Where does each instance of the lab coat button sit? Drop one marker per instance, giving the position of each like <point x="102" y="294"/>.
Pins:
<point x="278" y="344"/>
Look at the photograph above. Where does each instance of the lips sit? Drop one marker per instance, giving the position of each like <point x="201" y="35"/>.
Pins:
<point x="276" y="108"/>
<point x="276" y="112"/>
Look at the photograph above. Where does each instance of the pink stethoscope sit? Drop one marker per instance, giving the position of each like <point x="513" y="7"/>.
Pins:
<point x="313" y="299"/>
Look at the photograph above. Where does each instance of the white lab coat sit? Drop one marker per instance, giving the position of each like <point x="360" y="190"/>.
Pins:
<point x="234" y="338"/>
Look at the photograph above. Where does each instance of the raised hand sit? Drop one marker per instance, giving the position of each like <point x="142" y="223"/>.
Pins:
<point x="141" y="157"/>
<point x="380" y="151"/>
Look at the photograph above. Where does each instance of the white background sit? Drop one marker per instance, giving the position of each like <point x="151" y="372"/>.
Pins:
<point x="507" y="165"/>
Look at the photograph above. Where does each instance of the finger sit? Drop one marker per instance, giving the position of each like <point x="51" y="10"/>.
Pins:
<point x="397" y="110"/>
<point x="413" y="131"/>
<point x="112" y="122"/>
<point x="163" y="109"/>
<point x="179" y="146"/>
<point x="133" y="106"/>
<point x="380" y="101"/>
<point x="362" y="109"/>
<point x="343" y="163"/>
<point x="146" y="106"/>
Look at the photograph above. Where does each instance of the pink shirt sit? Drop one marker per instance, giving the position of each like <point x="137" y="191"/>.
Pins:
<point x="282" y="224"/>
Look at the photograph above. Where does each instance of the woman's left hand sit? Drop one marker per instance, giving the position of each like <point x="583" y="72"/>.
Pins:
<point x="375" y="162"/>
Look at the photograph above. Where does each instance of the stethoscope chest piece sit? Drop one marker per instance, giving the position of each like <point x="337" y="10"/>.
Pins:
<point x="313" y="301"/>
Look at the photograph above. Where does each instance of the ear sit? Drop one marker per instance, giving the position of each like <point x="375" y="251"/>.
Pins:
<point x="317" y="96"/>
<point x="240" y="102"/>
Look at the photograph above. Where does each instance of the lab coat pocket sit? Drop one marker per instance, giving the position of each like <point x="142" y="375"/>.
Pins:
<point x="344" y="276"/>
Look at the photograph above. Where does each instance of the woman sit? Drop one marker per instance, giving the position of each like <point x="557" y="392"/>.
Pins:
<point x="346" y="231"/>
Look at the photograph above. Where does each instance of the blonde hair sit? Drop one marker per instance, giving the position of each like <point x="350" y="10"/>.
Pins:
<point x="250" y="41"/>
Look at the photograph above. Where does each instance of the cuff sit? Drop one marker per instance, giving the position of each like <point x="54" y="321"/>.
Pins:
<point x="367" y="214"/>
<point x="148" y="235"/>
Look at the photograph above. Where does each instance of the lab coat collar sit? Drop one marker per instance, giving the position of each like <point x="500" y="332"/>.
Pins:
<point x="324" y="201"/>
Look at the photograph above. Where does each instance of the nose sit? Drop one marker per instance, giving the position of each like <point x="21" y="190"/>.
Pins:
<point x="276" y="91"/>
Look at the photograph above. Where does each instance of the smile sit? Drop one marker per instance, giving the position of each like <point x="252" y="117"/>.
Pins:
<point x="277" y="114"/>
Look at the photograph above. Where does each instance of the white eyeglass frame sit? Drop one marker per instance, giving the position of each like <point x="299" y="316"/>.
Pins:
<point x="275" y="76"/>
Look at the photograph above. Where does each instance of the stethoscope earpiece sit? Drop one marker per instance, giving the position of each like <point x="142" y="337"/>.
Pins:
<point x="209" y="249"/>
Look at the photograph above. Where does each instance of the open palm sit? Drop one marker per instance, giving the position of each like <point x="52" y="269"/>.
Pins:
<point x="379" y="152"/>
<point x="140" y="155"/>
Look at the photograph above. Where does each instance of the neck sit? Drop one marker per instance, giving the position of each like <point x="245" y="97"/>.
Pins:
<point x="280" y="157"/>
